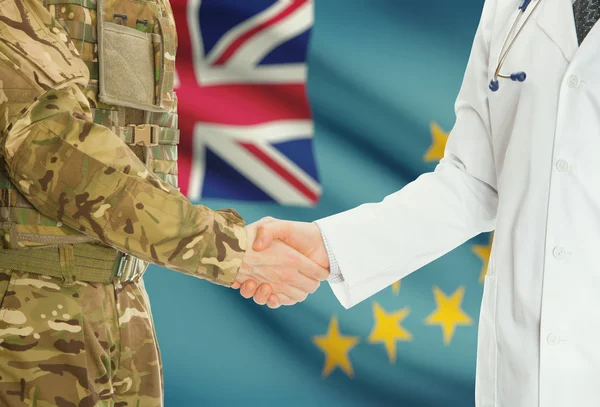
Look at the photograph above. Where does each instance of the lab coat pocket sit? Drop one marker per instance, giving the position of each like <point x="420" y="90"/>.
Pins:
<point x="485" y="383"/>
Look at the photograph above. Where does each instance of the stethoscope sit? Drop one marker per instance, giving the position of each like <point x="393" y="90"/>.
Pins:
<point x="517" y="76"/>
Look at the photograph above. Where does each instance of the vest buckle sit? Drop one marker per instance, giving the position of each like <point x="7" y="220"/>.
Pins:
<point x="119" y="264"/>
<point x="144" y="134"/>
<point x="126" y="267"/>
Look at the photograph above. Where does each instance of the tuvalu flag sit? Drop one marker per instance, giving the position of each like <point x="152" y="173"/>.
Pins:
<point x="381" y="77"/>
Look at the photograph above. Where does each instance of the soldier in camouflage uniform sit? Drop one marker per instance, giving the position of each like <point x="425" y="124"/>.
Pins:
<point x="89" y="197"/>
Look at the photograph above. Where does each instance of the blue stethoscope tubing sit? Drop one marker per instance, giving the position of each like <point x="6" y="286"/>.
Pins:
<point x="506" y="46"/>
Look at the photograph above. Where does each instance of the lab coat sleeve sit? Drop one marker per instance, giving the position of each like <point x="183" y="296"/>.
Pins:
<point x="379" y="243"/>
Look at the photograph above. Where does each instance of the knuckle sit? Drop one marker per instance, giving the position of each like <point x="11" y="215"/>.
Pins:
<point x="266" y="219"/>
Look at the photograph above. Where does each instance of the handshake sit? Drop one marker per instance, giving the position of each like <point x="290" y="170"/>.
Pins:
<point x="284" y="262"/>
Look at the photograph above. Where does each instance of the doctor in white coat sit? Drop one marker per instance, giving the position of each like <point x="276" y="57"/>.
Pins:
<point x="523" y="160"/>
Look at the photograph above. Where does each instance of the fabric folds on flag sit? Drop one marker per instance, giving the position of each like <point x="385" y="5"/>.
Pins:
<point x="245" y="120"/>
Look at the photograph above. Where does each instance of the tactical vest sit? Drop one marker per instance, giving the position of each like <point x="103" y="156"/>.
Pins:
<point x="129" y="48"/>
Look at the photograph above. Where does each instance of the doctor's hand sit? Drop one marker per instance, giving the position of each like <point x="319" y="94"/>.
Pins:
<point x="286" y="274"/>
<point x="303" y="237"/>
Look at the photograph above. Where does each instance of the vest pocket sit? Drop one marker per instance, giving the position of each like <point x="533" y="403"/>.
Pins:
<point x="126" y="58"/>
<point x="136" y="63"/>
<point x="485" y="383"/>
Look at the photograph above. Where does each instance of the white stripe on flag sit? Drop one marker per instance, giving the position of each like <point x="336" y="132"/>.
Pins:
<point x="206" y="74"/>
<point x="272" y="132"/>
<point x="256" y="48"/>
<point x="291" y="167"/>
<point x="228" y="149"/>
<point x="241" y="29"/>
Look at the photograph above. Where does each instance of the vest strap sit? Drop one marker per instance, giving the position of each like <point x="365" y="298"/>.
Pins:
<point x="85" y="262"/>
<point x="148" y="135"/>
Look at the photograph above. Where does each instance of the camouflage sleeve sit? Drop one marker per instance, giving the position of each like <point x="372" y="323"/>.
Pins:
<point x="85" y="176"/>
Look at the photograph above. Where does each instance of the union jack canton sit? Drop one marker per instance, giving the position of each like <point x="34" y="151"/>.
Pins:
<point x="244" y="115"/>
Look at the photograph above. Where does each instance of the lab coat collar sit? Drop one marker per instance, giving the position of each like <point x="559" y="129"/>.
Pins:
<point x="556" y="19"/>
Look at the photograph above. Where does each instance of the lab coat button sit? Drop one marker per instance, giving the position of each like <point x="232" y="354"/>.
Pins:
<point x="562" y="165"/>
<point x="559" y="252"/>
<point x="573" y="81"/>
<point x="553" y="340"/>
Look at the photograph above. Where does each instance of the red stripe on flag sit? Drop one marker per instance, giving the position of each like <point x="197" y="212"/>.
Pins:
<point x="239" y="42"/>
<point x="282" y="172"/>
<point x="241" y="105"/>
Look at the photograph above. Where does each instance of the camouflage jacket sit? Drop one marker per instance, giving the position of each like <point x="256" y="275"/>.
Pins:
<point x="83" y="175"/>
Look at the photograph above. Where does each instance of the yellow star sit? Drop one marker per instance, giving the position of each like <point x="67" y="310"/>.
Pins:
<point x="440" y="138"/>
<point x="483" y="252"/>
<point x="448" y="313"/>
<point x="336" y="348"/>
<point x="387" y="329"/>
<point x="396" y="287"/>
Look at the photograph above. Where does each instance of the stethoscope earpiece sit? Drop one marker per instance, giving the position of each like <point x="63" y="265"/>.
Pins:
<point x="518" y="76"/>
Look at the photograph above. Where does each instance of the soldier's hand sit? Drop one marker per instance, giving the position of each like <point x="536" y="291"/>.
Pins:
<point x="286" y="275"/>
<point x="304" y="237"/>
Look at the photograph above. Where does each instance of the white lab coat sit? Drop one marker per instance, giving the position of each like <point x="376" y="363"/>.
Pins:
<point x="524" y="161"/>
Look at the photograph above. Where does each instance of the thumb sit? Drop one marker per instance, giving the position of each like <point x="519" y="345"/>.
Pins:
<point x="268" y="232"/>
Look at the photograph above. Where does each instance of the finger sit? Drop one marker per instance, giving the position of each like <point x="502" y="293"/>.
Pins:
<point x="267" y="232"/>
<point x="248" y="288"/>
<point x="273" y="302"/>
<point x="308" y="273"/>
<point x="294" y="293"/>
<point x="262" y="294"/>
<point x="236" y="285"/>
<point x="303" y="283"/>
<point x="266" y="219"/>
<point x="285" y="300"/>
<point x="311" y="269"/>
